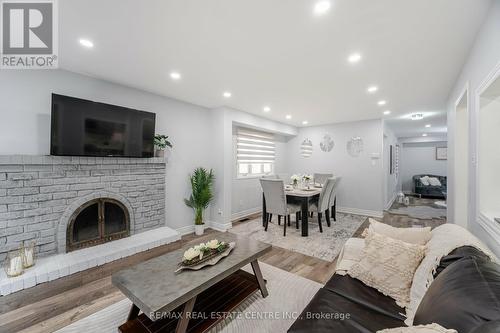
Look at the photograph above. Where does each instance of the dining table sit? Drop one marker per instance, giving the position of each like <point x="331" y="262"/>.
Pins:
<point x="302" y="195"/>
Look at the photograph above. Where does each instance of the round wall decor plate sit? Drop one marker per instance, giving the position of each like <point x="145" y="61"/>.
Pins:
<point x="327" y="143"/>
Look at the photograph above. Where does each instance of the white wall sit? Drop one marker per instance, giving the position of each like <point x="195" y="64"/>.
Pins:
<point x="489" y="154"/>
<point x="227" y="194"/>
<point x="25" y="102"/>
<point x="483" y="58"/>
<point x="361" y="187"/>
<point x="420" y="158"/>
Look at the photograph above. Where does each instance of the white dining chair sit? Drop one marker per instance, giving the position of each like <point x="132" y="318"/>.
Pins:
<point x="322" y="204"/>
<point x="333" y="200"/>
<point x="320" y="178"/>
<point x="276" y="203"/>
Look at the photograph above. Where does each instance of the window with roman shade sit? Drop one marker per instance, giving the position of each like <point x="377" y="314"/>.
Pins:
<point x="255" y="152"/>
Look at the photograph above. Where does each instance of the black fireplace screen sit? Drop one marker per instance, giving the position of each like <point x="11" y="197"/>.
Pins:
<point x="96" y="222"/>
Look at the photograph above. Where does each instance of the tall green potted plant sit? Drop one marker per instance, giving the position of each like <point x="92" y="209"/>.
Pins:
<point x="161" y="142"/>
<point x="202" y="194"/>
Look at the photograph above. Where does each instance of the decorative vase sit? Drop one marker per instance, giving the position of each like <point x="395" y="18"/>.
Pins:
<point x="295" y="184"/>
<point x="160" y="153"/>
<point x="13" y="264"/>
<point x="28" y="255"/>
<point x="199" y="229"/>
<point x="407" y="201"/>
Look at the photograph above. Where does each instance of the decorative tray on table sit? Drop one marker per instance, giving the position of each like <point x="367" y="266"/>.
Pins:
<point x="205" y="254"/>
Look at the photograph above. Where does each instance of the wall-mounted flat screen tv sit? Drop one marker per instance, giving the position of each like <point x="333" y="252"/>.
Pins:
<point x="81" y="127"/>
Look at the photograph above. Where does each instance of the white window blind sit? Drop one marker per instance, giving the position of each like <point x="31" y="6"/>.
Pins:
<point x="255" y="152"/>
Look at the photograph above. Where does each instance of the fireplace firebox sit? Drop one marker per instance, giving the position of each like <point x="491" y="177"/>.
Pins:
<point x="95" y="222"/>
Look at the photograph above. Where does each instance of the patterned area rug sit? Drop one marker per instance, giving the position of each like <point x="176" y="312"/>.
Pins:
<point x="274" y="313"/>
<point x="326" y="245"/>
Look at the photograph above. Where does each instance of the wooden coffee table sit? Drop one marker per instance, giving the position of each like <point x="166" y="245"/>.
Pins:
<point x="190" y="301"/>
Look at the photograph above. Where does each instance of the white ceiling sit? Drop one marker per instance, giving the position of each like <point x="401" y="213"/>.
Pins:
<point x="277" y="52"/>
<point x="404" y="127"/>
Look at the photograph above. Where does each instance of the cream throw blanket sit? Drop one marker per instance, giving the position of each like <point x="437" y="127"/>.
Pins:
<point x="444" y="240"/>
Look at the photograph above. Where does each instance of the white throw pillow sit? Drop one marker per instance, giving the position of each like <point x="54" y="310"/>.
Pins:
<point x="388" y="265"/>
<point x="410" y="235"/>
<point x="434" y="181"/>
<point x="431" y="328"/>
<point x="425" y="180"/>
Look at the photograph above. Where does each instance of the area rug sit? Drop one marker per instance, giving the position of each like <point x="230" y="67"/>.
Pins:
<point x="288" y="296"/>
<point x="420" y="212"/>
<point x="326" y="245"/>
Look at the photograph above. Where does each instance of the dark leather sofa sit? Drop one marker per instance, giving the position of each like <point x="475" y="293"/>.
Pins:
<point x="465" y="296"/>
<point x="429" y="190"/>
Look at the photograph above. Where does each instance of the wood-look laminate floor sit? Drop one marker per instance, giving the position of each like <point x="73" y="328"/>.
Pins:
<point x="53" y="305"/>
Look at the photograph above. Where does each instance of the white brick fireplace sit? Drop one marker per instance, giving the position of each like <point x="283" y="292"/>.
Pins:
<point x="40" y="194"/>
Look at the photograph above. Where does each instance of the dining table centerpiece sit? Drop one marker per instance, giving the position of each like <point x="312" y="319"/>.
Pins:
<point x="306" y="180"/>
<point x="295" y="180"/>
<point x="205" y="254"/>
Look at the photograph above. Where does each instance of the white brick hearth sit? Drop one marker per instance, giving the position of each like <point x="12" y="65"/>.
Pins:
<point x="60" y="265"/>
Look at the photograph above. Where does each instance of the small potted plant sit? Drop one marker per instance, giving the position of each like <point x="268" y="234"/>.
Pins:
<point x="201" y="185"/>
<point x="295" y="180"/>
<point x="161" y="143"/>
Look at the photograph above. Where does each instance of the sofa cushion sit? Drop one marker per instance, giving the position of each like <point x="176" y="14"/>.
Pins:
<point x="445" y="239"/>
<point x="464" y="296"/>
<point x="457" y="254"/>
<point x="409" y="235"/>
<point x="357" y="292"/>
<point x="388" y="265"/>
<point x="425" y="181"/>
<point x="328" y="311"/>
<point x="433" y="181"/>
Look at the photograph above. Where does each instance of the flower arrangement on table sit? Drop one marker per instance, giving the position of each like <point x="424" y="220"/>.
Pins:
<point x="203" y="252"/>
<point x="306" y="179"/>
<point x="295" y="180"/>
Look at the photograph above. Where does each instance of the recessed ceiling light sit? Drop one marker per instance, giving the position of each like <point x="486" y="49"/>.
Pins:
<point x="175" y="75"/>
<point x="387" y="112"/>
<point x="226" y="94"/>
<point x="288" y="116"/>
<point x="354" y="58"/>
<point x="382" y="102"/>
<point x="425" y="134"/>
<point x="266" y="109"/>
<point x="428" y="125"/>
<point x="417" y="116"/>
<point x="87" y="43"/>
<point x="372" y="89"/>
<point x="305" y="122"/>
<point x="321" y="7"/>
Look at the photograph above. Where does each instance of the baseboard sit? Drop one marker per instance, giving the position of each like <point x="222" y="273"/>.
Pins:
<point x="490" y="226"/>
<point x="219" y="226"/>
<point x="245" y="213"/>
<point x="189" y="229"/>
<point x="363" y="212"/>
<point x="389" y="204"/>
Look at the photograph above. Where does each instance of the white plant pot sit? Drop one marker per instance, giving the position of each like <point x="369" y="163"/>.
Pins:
<point x="199" y="229"/>
<point x="160" y="153"/>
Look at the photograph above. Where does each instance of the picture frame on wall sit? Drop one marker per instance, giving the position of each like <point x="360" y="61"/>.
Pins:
<point x="441" y="153"/>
